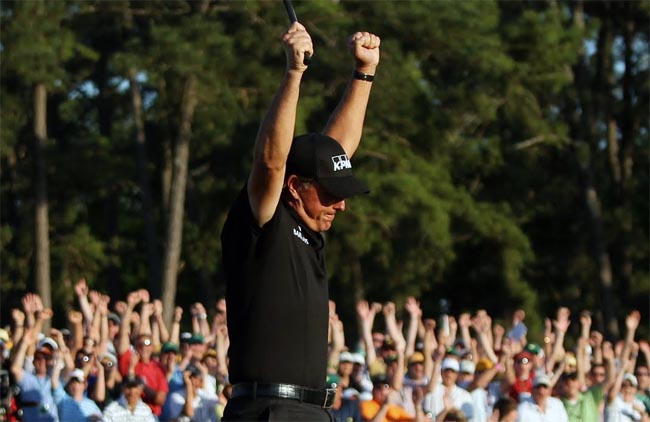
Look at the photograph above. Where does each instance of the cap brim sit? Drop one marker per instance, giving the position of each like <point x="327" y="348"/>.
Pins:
<point x="343" y="187"/>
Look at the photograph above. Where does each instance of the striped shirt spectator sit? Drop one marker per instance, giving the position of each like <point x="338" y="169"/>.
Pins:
<point x="119" y="411"/>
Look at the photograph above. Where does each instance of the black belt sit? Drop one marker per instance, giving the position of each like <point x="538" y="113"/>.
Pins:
<point x="323" y="398"/>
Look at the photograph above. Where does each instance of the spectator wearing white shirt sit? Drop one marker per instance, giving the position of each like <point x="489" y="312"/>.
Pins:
<point x="541" y="407"/>
<point x="434" y="402"/>
<point x="129" y="407"/>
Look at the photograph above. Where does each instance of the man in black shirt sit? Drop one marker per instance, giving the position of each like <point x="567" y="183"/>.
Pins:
<point x="272" y="241"/>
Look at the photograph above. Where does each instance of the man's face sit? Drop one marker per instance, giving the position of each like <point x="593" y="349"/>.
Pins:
<point x="132" y="394"/>
<point x="597" y="374"/>
<point x="345" y="368"/>
<point x="380" y="392"/>
<point x="642" y="375"/>
<point x="416" y="370"/>
<point x="167" y="357"/>
<point x="541" y="393"/>
<point x="571" y="388"/>
<point x="449" y="377"/>
<point x="316" y="206"/>
<point x="41" y="361"/>
<point x="144" y="348"/>
<point x="523" y="366"/>
<point x="628" y="389"/>
<point x="76" y="388"/>
<point x="113" y="329"/>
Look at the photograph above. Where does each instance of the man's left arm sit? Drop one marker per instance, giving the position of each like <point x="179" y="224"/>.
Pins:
<point x="346" y="122"/>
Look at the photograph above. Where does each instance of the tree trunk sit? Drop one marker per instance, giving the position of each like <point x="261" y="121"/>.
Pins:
<point x="41" y="221"/>
<point x="584" y="133"/>
<point x="142" y="161"/>
<point x="177" y="200"/>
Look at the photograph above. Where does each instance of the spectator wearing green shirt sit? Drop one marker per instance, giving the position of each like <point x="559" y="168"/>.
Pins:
<point x="580" y="406"/>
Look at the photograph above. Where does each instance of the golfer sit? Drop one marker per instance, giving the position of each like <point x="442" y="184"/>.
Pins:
<point x="273" y="247"/>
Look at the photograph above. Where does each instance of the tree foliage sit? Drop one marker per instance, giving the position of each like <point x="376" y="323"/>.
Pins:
<point x="489" y="123"/>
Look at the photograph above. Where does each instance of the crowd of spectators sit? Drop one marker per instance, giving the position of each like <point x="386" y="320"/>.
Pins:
<point x="119" y="361"/>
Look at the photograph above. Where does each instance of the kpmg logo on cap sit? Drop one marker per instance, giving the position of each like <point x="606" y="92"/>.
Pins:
<point x="341" y="162"/>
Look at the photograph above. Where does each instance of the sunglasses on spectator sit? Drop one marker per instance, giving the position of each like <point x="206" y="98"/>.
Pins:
<point x="107" y="363"/>
<point x="522" y="361"/>
<point x="146" y="342"/>
<point x="598" y="374"/>
<point x="42" y="357"/>
<point x="641" y="373"/>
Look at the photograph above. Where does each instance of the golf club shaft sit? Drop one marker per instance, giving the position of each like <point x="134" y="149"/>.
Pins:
<point x="293" y="18"/>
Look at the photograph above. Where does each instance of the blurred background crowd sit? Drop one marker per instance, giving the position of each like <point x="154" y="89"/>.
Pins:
<point x="116" y="360"/>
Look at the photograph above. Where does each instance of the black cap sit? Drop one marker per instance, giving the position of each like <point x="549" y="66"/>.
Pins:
<point x="319" y="157"/>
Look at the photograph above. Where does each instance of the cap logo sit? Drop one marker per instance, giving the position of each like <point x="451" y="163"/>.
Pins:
<point x="341" y="162"/>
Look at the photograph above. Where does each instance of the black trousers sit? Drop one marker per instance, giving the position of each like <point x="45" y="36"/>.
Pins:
<point x="242" y="409"/>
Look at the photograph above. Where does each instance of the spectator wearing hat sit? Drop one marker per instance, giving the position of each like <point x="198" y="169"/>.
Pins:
<point x="114" y="323"/>
<point x="622" y="403"/>
<point x="112" y="378"/>
<point x="643" y="391"/>
<point x="129" y="407"/>
<point x="360" y="379"/>
<point x="466" y="373"/>
<point x="414" y="379"/>
<point x="346" y="407"/>
<point x="384" y="406"/>
<point x="483" y="388"/>
<point x="519" y="376"/>
<point x="539" y="358"/>
<point x="36" y="399"/>
<point x="580" y="406"/>
<point x="139" y="361"/>
<point x="195" y="401"/>
<point x="540" y="406"/>
<point x="197" y="346"/>
<point x="344" y="370"/>
<point x="457" y="397"/>
<point x="71" y="401"/>
<point x="169" y="364"/>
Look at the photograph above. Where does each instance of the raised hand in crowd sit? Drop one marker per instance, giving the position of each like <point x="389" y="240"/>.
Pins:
<point x="18" y="318"/>
<point x="412" y="306"/>
<point x="561" y="326"/>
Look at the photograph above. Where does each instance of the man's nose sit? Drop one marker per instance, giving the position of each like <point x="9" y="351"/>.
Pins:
<point x="340" y="205"/>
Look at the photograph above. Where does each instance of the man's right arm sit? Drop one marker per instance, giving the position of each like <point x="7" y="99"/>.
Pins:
<point x="275" y="134"/>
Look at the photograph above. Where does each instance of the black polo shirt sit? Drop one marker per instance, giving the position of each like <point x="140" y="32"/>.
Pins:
<point x="277" y="298"/>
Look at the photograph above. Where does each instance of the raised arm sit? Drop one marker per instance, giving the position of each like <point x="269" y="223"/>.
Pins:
<point x="365" y="320"/>
<point x="163" y="333"/>
<point x="176" y="325"/>
<point x="561" y="325"/>
<point x="276" y="132"/>
<point x="346" y="122"/>
<point x="18" y="356"/>
<point x="125" y="326"/>
<point x="81" y="290"/>
<point x="415" y="314"/>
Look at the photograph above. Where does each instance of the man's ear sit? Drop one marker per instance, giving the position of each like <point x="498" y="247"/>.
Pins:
<point x="293" y="184"/>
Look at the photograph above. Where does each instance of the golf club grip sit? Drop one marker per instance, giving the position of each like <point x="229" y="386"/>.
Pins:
<point x="293" y="18"/>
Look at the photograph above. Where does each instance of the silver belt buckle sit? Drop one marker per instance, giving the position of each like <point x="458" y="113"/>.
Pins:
<point x="330" y="395"/>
